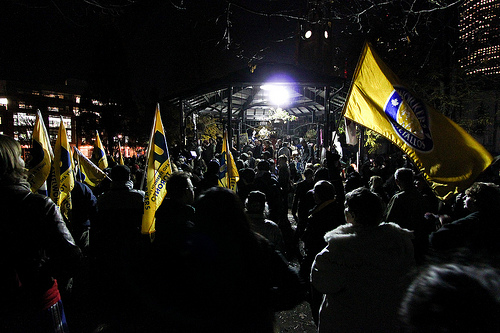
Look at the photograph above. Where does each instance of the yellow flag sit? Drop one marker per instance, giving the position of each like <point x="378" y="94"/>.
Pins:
<point x="449" y="158"/>
<point x="41" y="155"/>
<point x="121" y="161"/>
<point x="228" y="173"/>
<point x="63" y="180"/>
<point x="99" y="154"/>
<point x="87" y="171"/>
<point x="158" y="170"/>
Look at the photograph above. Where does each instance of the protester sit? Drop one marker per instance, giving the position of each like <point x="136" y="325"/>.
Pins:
<point x="407" y="208"/>
<point x="363" y="271"/>
<point x="255" y="207"/>
<point x="242" y="280"/>
<point x="479" y="231"/>
<point x="116" y="247"/>
<point x="453" y="298"/>
<point x="325" y="216"/>
<point x="37" y="247"/>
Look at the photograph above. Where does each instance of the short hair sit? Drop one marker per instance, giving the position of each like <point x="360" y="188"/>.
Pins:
<point x="120" y="173"/>
<point x="256" y="202"/>
<point x="486" y="196"/>
<point x="453" y="298"/>
<point x="366" y="206"/>
<point x="321" y="174"/>
<point x="263" y="166"/>
<point x="308" y="172"/>
<point x="324" y="190"/>
<point x="404" y="176"/>
<point x="177" y="184"/>
<point x="12" y="169"/>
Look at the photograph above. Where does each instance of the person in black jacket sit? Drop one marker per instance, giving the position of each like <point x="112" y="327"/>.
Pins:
<point x="37" y="247"/>
<point x="327" y="215"/>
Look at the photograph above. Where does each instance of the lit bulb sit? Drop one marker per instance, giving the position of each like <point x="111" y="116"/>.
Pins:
<point x="308" y="34"/>
<point x="326" y="34"/>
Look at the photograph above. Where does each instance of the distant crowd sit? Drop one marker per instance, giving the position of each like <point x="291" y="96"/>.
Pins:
<point x="369" y="248"/>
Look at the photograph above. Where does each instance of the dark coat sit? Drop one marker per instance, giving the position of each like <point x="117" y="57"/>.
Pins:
<point x="36" y="244"/>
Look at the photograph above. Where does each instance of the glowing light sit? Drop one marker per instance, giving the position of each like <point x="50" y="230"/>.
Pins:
<point x="326" y="34"/>
<point x="278" y="95"/>
<point x="4" y="101"/>
<point x="308" y="34"/>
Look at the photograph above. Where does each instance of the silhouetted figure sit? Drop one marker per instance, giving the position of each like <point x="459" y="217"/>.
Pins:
<point x="327" y="214"/>
<point x="407" y="208"/>
<point x="256" y="209"/>
<point x="477" y="232"/>
<point x="116" y="246"/>
<point x="242" y="280"/>
<point x="453" y="298"/>
<point x="37" y="248"/>
<point x="363" y="269"/>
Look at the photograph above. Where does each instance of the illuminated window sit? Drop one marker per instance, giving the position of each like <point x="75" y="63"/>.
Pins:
<point x="24" y="119"/>
<point x="76" y="111"/>
<point x="4" y="101"/>
<point x="53" y="109"/>
<point x="56" y="121"/>
<point x="77" y="100"/>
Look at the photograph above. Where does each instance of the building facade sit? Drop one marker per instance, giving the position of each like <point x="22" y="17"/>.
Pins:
<point x="20" y="101"/>
<point x="480" y="33"/>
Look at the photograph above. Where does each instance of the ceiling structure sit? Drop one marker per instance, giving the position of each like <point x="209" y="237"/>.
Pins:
<point x="250" y="101"/>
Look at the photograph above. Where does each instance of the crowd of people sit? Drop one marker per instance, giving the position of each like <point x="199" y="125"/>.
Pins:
<point x="370" y="249"/>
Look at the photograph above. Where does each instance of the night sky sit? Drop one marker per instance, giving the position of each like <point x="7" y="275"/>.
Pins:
<point x="166" y="46"/>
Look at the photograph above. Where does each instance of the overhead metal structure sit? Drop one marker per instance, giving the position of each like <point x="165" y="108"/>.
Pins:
<point x="241" y="98"/>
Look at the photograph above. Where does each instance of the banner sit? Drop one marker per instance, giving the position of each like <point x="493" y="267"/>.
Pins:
<point x="63" y="179"/>
<point x="87" y="171"/>
<point x="158" y="170"/>
<point x="99" y="154"/>
<point x="228" y="173"/>
<point x="448" y="157"/>
<point x="41" y="157"/>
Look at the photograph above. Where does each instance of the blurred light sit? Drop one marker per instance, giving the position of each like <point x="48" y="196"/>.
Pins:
<point x="326" y="34"/>
<point x="278" y="95"/>
<point x="4" y="101"/>
<point x="308" y="34"/>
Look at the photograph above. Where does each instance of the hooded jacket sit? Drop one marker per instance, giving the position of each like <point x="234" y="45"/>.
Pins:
<point x="363" y="272"/>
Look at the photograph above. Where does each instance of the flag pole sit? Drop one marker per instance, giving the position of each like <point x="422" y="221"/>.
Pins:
<point x="149" y="148"/>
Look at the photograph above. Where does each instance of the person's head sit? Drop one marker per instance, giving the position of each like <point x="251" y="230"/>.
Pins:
<point x="363" y="207"/>
<point x="452" y="298"/>
<point x="321" y="173"/>
<point x="266" y="155"/>
<point x="256" y="202"/>
<point x="308" y="174"/>
<point x="239" y="164"/>
<point x="180" y="187"/>
<point x="120" y="173"/>
<point x="404" y="178"/>
<point x="213" y="167"/>
<point x="482" y="196"/>
<point x="12" y="169"/>
<point x="220" y="211"/>
<point x="282" y="160"/>
<point x="375" y="182"/>
<point x="263" y="166"/>
<point x="323" y="191"/>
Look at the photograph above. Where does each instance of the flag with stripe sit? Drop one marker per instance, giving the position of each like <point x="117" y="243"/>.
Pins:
<point x="158" y="170"/>
<point x="41" y="157"/>
<point x="228" y="173"/>
<point x="63" y="179"/>
<point x="99" y="153"/>
<point x="87" y="172"/>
